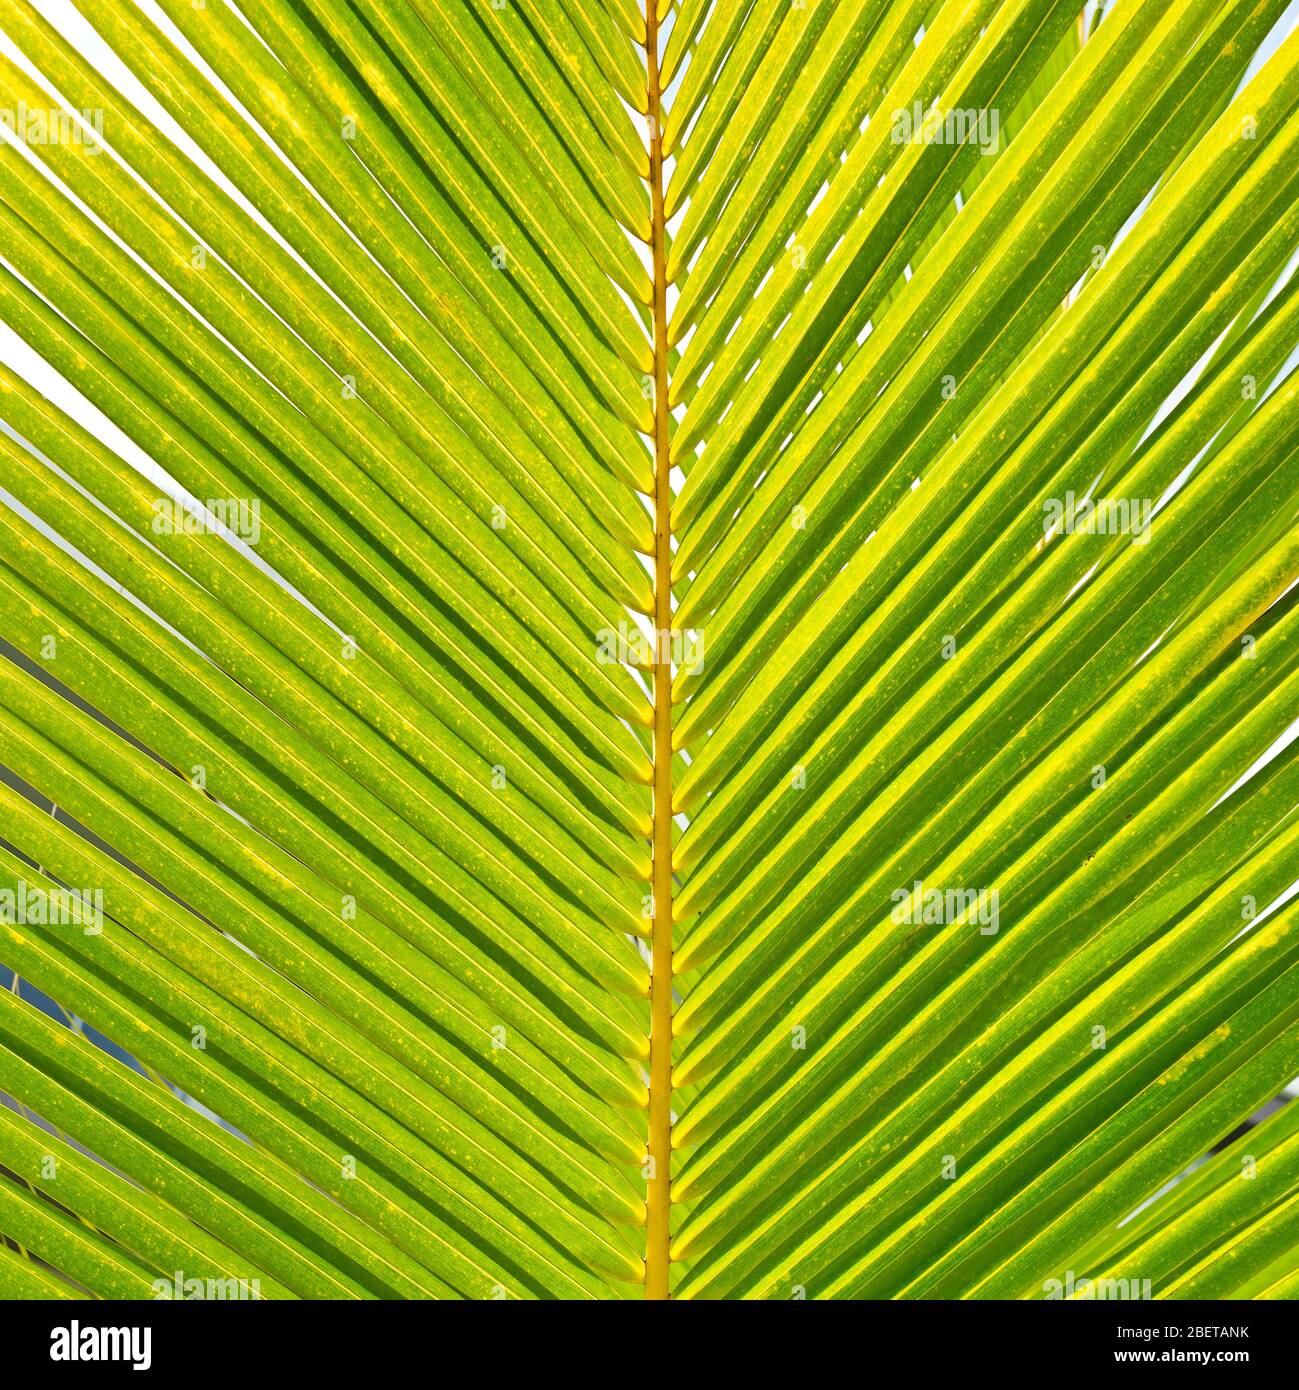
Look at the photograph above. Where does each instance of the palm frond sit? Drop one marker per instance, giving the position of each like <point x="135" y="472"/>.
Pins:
<point x="650" y="653"/>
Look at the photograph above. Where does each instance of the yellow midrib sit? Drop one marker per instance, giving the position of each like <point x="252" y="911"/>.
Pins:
<point x="657" y="1232"/>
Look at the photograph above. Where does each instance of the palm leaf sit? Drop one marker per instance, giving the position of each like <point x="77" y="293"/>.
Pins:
<point x="568" y="729"/>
